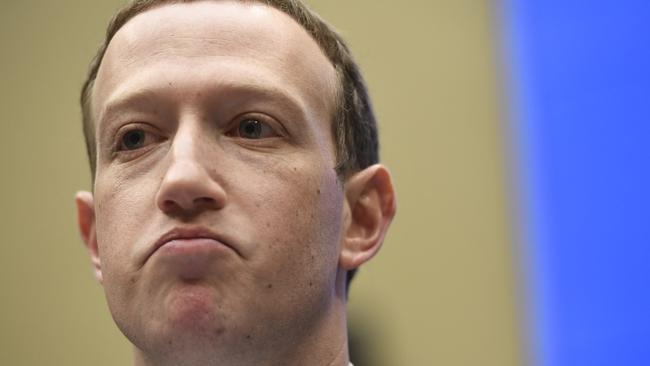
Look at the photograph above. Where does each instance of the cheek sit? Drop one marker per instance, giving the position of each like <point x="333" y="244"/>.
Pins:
<point x="298" y="213"/>
<point x="121" y="210"/>
<point x="124" y="209"/>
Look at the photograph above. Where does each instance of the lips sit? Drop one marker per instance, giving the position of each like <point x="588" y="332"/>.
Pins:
<point x="189" y="240"/>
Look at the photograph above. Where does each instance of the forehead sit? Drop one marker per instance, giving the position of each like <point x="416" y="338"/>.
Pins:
<point x="218" y="33"/>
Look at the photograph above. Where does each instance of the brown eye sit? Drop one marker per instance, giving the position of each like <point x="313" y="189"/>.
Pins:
<point x="133" y="140"/>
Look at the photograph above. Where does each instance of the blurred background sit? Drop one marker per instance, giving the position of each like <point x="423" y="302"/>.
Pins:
<point x="517" y="133"/>
<point x="579" y="102"/>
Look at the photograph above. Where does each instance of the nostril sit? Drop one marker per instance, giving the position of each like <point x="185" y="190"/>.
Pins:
<point x="189" y="191"/>
<point x="200" y="203"/>
<point x="169" y="205"/>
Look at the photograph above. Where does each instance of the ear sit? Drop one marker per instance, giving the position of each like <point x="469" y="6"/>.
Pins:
<point x="86" y="222"/>
<point x="370" y="198"/>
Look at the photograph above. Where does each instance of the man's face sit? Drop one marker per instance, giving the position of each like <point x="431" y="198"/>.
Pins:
<point x="218" y="212"/>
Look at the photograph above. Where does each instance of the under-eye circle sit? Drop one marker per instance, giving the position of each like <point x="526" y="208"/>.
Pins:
<point x="133" y="140"/>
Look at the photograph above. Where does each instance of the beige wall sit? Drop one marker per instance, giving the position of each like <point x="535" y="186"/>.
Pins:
<point x="442" y="291"/>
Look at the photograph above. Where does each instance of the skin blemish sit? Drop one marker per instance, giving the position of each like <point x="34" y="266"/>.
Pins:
<point x="318" y="191"/>
<point x="270" y="285"/>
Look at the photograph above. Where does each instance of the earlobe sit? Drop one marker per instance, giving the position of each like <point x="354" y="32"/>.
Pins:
<point x="86" y="222"/>
<point x="372" y="205"/>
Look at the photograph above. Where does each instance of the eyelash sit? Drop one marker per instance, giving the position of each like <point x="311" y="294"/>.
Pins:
<point x="275" y="127"/>
<point x="119" y="137"/>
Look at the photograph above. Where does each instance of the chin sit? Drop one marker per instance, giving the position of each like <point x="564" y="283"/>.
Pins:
<point x="192" y="310"/>
<point x="187" y="329"/>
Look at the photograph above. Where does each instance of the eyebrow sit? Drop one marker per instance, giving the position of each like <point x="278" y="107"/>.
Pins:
<point x="125" y="101"/>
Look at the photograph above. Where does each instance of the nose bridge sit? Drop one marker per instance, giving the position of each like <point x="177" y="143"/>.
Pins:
<point x="186" y="143"/>
<point x="188" y="182"/>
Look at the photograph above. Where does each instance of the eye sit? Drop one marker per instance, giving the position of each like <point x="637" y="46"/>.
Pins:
<point x="253" y="128"/>
<point x="135" y="139"/>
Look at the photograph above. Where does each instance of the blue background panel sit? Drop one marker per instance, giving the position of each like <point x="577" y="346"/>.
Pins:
<point x="581" y="102"/>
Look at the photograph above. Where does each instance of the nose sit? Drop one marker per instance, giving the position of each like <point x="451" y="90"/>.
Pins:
<point x="188" y="187"/>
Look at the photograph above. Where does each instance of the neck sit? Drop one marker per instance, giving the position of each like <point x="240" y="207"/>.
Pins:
<point x="326" y="344"/>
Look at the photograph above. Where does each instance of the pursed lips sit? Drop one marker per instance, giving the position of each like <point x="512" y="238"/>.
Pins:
<point x="189" y="234"/>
